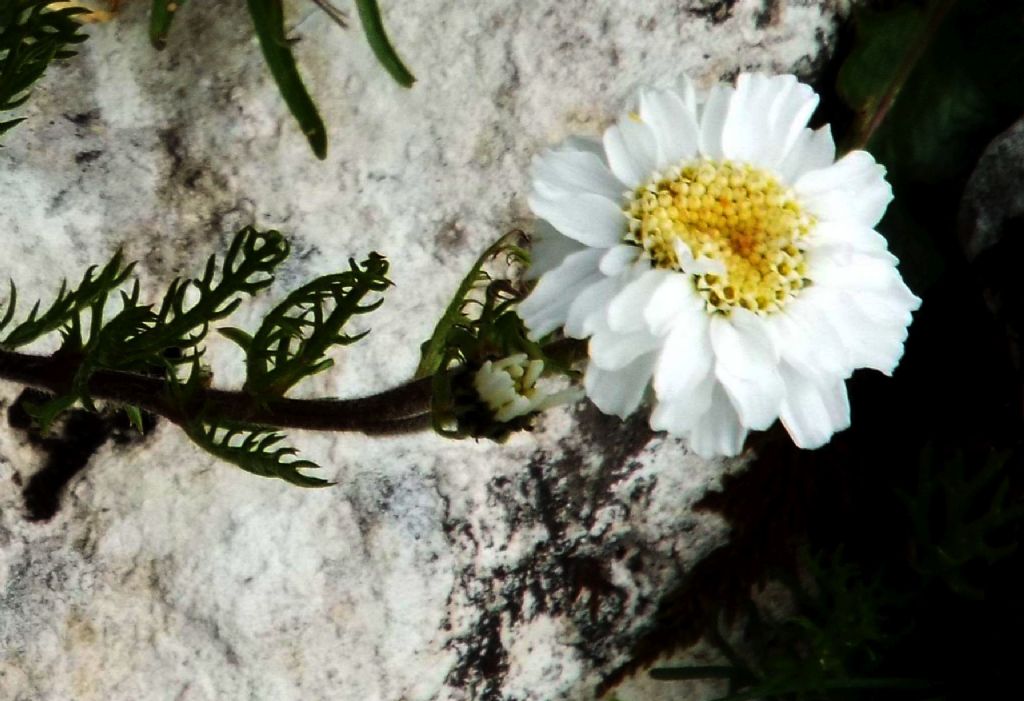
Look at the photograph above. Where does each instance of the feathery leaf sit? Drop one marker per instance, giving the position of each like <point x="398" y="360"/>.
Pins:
<point x="295" y="336"/>
<point x="32" y="36"/>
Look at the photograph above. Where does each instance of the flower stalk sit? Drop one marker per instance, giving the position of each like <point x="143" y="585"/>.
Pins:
<point x="400" y="409"/>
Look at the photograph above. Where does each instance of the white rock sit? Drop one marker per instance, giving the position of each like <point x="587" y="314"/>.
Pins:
<point x="436" y="570"/>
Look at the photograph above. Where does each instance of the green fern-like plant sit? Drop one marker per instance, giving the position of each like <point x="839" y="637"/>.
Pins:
<point x="295" y="336"/>
<point x="825" y="649"/>
<point x="132" y="350"/>
<point x="32" y="36"/>
<point x="960" y="516"/>
<point x="480" y="324"/>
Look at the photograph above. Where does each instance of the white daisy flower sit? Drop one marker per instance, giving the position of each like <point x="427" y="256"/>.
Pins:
<point x="715" y="251"/>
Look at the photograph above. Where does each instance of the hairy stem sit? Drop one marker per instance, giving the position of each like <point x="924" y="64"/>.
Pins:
<point x="398" y="410"/>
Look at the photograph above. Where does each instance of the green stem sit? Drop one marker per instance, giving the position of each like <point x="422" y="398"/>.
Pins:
<point x="870" y="122"/>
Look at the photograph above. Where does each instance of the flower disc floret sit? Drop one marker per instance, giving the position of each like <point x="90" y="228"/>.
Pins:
<point x="734" y="214"/>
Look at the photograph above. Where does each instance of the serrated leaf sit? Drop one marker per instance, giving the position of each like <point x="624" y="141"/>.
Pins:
<point x="68" y="304"/>
<point x="373" y="27"/>
<point x="179" y="325"/>
<point x="32" y="36"/>
<point x="293" y="339"/>
<point x="268" y="19"/>
<point x="433" y="351"/>
<point x="255" y="450"/>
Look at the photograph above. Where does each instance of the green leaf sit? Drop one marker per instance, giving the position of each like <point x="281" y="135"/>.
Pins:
<point x="435" y="349"/>
<point x="181" y="327"/>
<point x="45" y="414"/>
<point x="161" y="15"/>
<point x="32" y="36"/>
<point x="134" y="415"/>
<point x="238" y="336"/>
<point x="373" y="26"/>
<point x="254" y="450"/>
<point x="932" y="87"/>
<point x="268" y="19"/>
<point x="68" y="304"/>
<point x="295" y="336"/>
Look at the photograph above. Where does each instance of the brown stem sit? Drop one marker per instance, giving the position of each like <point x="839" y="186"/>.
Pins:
<point x="869" y="123"/>
<point x="397" y="410"/>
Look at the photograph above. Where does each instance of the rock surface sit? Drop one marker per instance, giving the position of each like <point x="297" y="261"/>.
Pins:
<point x="435" y="570"/>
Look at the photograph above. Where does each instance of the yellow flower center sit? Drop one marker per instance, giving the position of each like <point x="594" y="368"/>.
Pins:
<point x="735" y="214"/>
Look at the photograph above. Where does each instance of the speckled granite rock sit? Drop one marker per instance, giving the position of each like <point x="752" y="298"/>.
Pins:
<point x="436" y="570"/>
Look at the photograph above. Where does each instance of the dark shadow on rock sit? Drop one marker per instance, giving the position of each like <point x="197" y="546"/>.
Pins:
<point x="69" y="446"/>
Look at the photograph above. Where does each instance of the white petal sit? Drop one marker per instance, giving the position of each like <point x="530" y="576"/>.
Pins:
<point x="613" y="351"/>
<point x="807" y="341"/>
<point x="712" y="120"/>
<point x="618" y="258"/>
<point x="547" y="306"/>
<point x="766" y="117"/>
<point x="686" y="357"/>
<point x="719" y="431"/>
<point x="850" y="235"/>
<point x="789" y="114"/>
<point x="813" y="412"/>
<point x="588" y="144"/>
<point x="851" y="189"/>
<point x="746" y="129"/>
<point x="559" y="173"/>
<point x="632" y="150"/>
<point x="674" y="297"/>
<point x="590" y="219"/>
<point x="548" y="249"/>
<point x="674" y="124"/>
<point x="852" y="270"/>
<point x="868" y="344"/>
<point x="625" y="313"/>
<point x="619" y="392"/>
<point x="696" y="266"/>
<point x="811" y="150"/>
<point x="746" y="363"/>
<point x="684" y="89"/>
<point x="587" y="311"/>
<point x="679" y="415"/>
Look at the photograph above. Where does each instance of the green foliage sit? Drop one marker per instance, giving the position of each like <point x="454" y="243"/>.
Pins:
<point x="373" y="25"/>
<point x="293" y="341"/>
<point x="31" y="38"/>
<point x="823" y="649"/>
<point x="960" y="518"/>
<point x="255" y="450"/>
<point x="152" y="340"/>
<point x="479" y="324"/>
<point x="248" y="268"/>
<point x="269" y="24"/>
<point x="953" y="69"/>
<point x="68" y="305"/>
<point x="456" y="322"/>
<point x="268" y="19"/>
